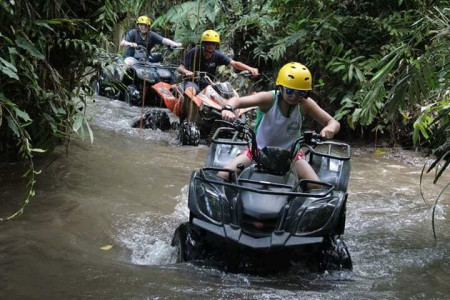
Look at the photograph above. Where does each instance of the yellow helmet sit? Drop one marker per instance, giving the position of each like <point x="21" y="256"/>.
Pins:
<point x="143" y="20"/>
<point x="296" y="76"/>
<point x="210" y="36"/>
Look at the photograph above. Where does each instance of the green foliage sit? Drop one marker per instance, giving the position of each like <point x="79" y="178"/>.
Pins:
<point x="45" y="49"/>
<point x="376" y="62"/>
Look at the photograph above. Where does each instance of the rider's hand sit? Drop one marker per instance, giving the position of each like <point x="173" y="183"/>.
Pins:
<point x="254" y="71"/>
<point x="327" y="133"/>
<point x="189" y="73"/>
<point x="134" y="45"/>
<point x="178" y="45"/>
<point x="228" y="115"/>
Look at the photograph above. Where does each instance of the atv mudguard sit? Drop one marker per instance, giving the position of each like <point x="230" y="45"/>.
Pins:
<point x="174" y="104"/>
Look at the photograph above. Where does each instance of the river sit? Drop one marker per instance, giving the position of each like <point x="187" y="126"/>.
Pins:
<point x="101" y="224"/>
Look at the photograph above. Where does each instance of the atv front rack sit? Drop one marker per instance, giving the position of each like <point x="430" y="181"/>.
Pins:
<point x="331" y="146"/>
<point x="235" y="140"/>
<point x="237" y="184"/>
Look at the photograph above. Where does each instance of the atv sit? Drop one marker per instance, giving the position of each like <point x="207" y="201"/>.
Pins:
<point x="107" y="80"/>
<point x="132" y="83"/>
<point x="197" y="113"/>
<point x="265" y="218"/>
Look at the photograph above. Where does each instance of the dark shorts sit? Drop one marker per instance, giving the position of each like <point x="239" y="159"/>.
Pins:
<point x="248" y="153"/>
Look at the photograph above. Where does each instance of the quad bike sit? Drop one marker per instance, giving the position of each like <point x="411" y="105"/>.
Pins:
<point x="130" y="84"/>
<point x="108" y="80"/>
<point x="197" y="113"/>
<point x="265" y="218"/>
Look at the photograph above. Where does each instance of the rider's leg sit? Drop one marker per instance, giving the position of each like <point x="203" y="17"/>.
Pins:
<point x="232" y="165"/>
<point x="304" y="170"/>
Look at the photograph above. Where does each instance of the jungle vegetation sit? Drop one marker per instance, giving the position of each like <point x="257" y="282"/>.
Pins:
<point x="381" y="67"/>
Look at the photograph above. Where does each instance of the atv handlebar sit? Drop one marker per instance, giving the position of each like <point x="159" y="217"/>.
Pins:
<point x="171" y="48"/>
<point x="210" y="78"/>
<point x="309" y="138"/>
<point x="150" y="57"/>
<point x="246" y="74"/>
<point x="198" y="75"/>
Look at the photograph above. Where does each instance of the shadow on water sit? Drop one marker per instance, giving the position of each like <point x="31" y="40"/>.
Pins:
<point x="102" y="221"/>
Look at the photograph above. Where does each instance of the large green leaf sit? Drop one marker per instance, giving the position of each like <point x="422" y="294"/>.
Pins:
<point x="21" y="114"/>
<point x="78" y="122"/>
<point x="13" y="126"/>
<point x="8" y="69"/>
<point x="27" y="45"/>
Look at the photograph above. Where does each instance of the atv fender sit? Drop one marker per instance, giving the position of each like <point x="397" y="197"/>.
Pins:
<point x="174" y="104"/>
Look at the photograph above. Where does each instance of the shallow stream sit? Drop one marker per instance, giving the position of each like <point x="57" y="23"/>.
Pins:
<point x="102" y="220"/>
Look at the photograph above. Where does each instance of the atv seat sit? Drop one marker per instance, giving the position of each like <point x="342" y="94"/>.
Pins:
<point x="274" y="160"/>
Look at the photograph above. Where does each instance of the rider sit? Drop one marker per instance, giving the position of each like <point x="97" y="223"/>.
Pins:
<point x="280" y="115"/>
<point x="206" y="58"/>
<point x="143" y="36"/>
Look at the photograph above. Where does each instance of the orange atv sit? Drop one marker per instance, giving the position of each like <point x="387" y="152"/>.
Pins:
<point x="197" y="113"/>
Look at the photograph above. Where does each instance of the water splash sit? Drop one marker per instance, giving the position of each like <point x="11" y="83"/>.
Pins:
<point x="148" y="236"/>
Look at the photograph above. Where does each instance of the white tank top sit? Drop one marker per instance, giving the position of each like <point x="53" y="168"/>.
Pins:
<point x="273" y="128"/>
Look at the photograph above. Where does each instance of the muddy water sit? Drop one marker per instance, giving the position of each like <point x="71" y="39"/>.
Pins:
<point x="102" y="220"/>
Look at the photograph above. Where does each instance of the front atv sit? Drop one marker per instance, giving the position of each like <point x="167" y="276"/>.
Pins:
<point x="266" y="217"/>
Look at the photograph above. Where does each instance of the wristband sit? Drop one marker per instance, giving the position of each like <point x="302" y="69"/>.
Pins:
<point x="228" y="107"/>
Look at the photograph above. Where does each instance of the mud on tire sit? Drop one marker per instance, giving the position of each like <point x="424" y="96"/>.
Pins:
<point x="154" y="119"/>
<point x="188" y="243"/>
<point x="189" y="133"/>
<point x="334" y="255"/>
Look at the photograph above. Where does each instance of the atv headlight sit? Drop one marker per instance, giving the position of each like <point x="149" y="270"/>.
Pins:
<point x="316" y="215"/>
<point x="209" y="203"/>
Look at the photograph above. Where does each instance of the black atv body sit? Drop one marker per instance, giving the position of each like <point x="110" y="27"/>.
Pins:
<point x="141" y="76"/>
<point x="130" y="83"/>
<point x="200" y="112"/>
<point x="265" y="217"/>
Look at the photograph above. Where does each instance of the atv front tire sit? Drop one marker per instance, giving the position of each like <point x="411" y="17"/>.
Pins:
<point x="187" y="242"/>
<point x="157" y="119"/>
<point x="189" y="133"/>
<point x="334" y="255"/>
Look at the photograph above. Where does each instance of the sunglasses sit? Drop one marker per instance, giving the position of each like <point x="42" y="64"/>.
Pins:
<point x="291" y="92"/>
<point x="209" y="43"/>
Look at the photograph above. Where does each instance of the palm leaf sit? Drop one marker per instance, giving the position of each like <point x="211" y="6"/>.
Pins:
<point x="434" y="209"/>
